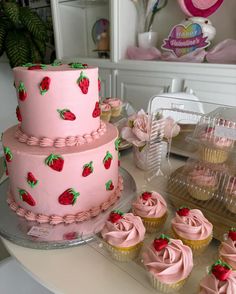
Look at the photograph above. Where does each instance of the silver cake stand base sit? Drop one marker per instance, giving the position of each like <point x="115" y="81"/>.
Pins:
<point x="45" y="236"/>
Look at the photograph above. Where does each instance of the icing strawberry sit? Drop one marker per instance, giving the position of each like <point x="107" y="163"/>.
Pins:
<point x="68" y="197"/>
<point x="66" y="114"/>
<point x="56" y="63"/>
<point x="55" y="162"/>
<point x="18" y="114"/>
<point x="109" y="185"/>
<point x="70" y="236"/>
<point x="183" y="211"/>
<point x="232" y="234"/>
<point x="161" y="243"/>
<point x="117" y="143"/>
<point x="115" y="216"/>
<point x="8" y="154"/>
<point x="107" y="160"/>
<point x="44" y="85"/>
<point x="99" y="85"/>
<point x="22" y="91"/>
<point x="26" y="197"/>
<point x="78" y="65"/>
<point x="146" y="195"/>
<point x="83" y="83"/>
<point x="31" y="180"/>
<point x="87" y="169"/>
<point x="97" y="110"/>
<point x="36" y="66"/>
<point x="221" y="270"/>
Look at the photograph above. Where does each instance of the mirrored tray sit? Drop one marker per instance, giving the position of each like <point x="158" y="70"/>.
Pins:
<point x="45" y="236"/>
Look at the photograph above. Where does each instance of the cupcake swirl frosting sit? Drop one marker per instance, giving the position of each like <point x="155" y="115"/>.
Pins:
<point x="228" y="252"/>
<point x="170" y="265"/>
<point x="153" y="207"/>
<point x="105" y="107"/>
<point x="194" y="226"/>
<point x="113" y="102"/>
<point x="127" y="232"/>
<point x="203" y="177"/>
<point x="211" y="285"/>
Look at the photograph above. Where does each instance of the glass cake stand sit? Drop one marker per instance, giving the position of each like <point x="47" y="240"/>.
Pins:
<point x="45" y="236"/>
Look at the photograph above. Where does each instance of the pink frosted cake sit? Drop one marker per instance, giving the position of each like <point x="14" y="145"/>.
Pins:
<point x="62" y="159"/>
<point x="220" y="280"/>
<point x="227" y="249"/>
<point x="169" y="263"/>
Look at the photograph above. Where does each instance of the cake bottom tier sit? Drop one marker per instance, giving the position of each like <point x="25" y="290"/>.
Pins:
<point x="62" y="185"/>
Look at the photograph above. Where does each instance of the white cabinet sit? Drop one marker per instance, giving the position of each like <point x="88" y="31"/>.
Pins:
<point x="136" y="80"/>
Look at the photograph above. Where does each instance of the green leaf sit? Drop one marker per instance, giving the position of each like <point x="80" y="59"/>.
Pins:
<point x="33" y="23"/>
<point x="35" y="54"/>
<point x="41" y="47"/>
<point x="17" y="48"/>
<point x="11" y="10"/>
<point x="3" y="33"/>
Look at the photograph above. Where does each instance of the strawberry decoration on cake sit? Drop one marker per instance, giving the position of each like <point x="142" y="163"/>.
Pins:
<point x="31" y="180"/>
<point x="70" y="236"/>
<point x="55" y="162"/>
<point x="66" y="114"/>
<point x="22" y="92"/>
<point x="115" y="216"/>
<point x="183" y="211"/>
<point x="44" y="85"/>
<point x="68" y="197"/>
<point x="117" y="144"/>
<point x="221" y="270"/>
<point x="87" y="169"/>
<point x="99" y="85"/>
<point x="232" y="234"/>
<point x="146" y="195"/>
<point x="161" y="242"/>
<point x="36" y="66"/>
<point x="78" y="65"/>
<point x="56" y="63"/>
<point x="107" y="160"/>
<point x="18" y="114"/>
<point x="109" y="185"/>
<point x="8" y="154"/>
<point x="97" y="110"/>
<point x="83" y="83"/>
<point x="26" y="197"/>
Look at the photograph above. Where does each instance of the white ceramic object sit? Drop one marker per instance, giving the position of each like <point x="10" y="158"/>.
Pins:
<point x="147" y="39"/>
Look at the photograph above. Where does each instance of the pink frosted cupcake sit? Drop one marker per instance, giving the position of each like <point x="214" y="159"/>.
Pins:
<point x="215" y="149"/>
<point x="220" y="280"/>
<point x="227" y="249"/>
<point x="105" y="111"/>
<point x="152" y="209"/>
<point x="123" y="235"/>
<point x="116" y="106"/>
<point x="169" y="263"/>
<point x="230" y="193"/>
<point x="202" y="183"/>
<point x="190" y="226"/>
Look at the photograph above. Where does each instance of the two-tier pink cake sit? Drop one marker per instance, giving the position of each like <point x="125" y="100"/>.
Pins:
<point x="62" y="160"/>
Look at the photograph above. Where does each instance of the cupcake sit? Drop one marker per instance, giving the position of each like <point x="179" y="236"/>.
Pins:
<point x="227" y="249"/>
<point x="123" y="235"/>
<point x="202" y="183"/>
<point x="116" y="106"/>
<point x="190" y="226"/>
<point x="215" y="149"/>
<point x="221" y="279"/>
<point x="230" y="193"/>
<point x="152" y="209"/>
<point x="169" y="263"/>
<point x="105" y="111"/>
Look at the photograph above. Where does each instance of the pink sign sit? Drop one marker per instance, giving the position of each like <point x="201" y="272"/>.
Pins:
<point x="183" y="40"/>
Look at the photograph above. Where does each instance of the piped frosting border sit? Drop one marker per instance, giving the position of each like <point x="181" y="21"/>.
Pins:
<point x="60" y="142"/>
<point x="70" y="218"/>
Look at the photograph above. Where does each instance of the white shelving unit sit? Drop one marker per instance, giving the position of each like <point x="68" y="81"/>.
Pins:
<point x="136" y="80"/>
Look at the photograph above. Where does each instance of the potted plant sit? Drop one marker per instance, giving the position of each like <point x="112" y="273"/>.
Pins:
<point x="23" y="35"/>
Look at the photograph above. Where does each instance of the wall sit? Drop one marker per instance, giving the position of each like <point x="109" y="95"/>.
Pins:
<point x="8" y="100"/>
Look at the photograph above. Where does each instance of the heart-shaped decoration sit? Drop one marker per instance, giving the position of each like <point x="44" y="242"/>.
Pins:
<point x="183" y="40"/>
<point x="202" y="8"/>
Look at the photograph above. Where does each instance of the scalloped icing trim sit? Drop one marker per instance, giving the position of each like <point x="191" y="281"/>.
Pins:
<point x="70" y="218"/>
<point x="60" y="142"/>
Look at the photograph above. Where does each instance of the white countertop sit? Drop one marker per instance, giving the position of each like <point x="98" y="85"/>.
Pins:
<point x="84" y="270"/>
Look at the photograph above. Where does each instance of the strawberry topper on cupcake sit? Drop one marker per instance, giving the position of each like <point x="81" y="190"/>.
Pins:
<point x="161" y="242"/>
<point x="115" y="216"/>
<point x="183" y="211"/>
<point x="221" y="270"/>
<point x="232" y="234"/>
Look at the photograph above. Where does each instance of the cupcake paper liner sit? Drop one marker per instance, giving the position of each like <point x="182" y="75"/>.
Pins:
<point x="166" y="288"/>
<point x="116" y="111"/>
<point x="213" y="155"/>
<point x="201" y="193"/>
<point x="124" y="254"/>
<point x="152" y="225"/>
<point x="106" y="116"/>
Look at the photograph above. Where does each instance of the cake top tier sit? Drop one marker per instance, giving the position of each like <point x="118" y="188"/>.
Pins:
<point x="57" y="101"/>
